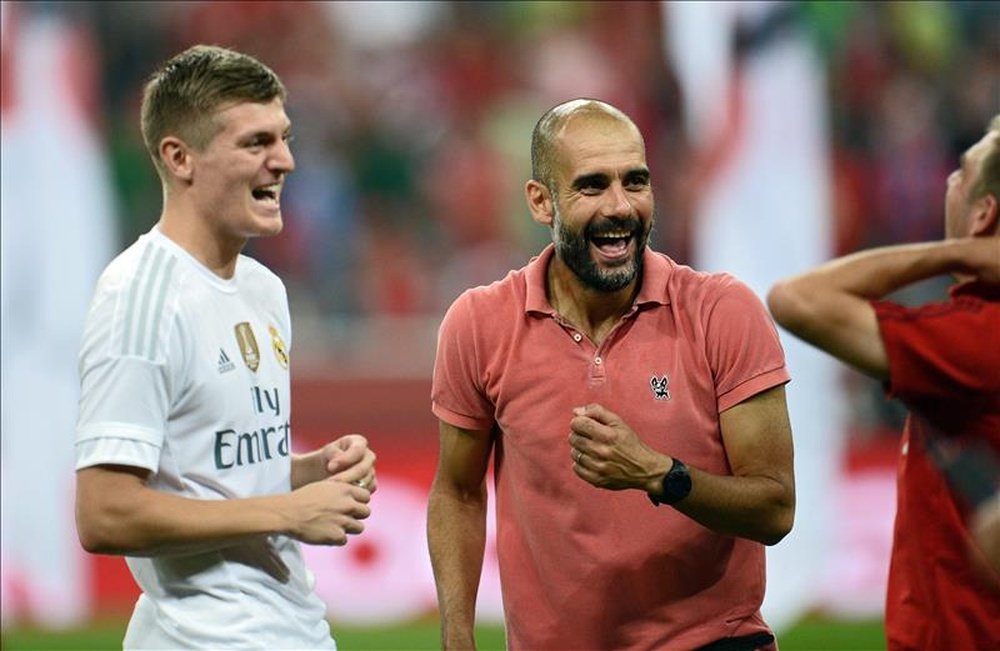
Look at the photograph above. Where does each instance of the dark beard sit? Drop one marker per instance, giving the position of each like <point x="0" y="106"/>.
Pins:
<point x="573" y="249"/>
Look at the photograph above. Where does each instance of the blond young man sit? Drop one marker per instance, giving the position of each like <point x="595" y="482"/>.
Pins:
<point x="184" y="454"/>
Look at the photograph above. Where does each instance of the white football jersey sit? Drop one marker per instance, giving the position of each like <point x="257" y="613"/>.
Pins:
<point x="186" y="374"/>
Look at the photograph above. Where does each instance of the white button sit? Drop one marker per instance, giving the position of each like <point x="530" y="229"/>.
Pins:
<point x="577" y="336"/>
<point x="598" y="360"/>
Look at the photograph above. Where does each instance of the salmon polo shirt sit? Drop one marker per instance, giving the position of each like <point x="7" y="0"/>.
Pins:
<point x="587" y="568"/>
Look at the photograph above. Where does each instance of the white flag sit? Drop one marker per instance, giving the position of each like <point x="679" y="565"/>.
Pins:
<point x="56" y="214"/>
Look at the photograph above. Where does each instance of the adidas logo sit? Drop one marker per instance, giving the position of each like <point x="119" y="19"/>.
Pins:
<point x="225" y="364"/>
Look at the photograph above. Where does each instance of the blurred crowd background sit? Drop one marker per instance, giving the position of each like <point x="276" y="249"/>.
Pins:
<point x="412" y="124"/>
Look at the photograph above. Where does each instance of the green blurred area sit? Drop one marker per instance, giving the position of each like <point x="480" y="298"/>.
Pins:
<point x="812" y="634"/>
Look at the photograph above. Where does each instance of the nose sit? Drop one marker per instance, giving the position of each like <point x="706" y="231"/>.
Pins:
<point x="618" y="203"/>
<point x="282" y="159"/>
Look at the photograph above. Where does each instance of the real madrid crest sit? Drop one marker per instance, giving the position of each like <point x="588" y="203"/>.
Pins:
<point x="248" y="345"/>
<point x="279" y="347"/>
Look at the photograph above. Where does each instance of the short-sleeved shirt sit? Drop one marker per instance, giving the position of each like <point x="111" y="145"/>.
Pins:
<point x="582" y="567"/>
<point x="185" y="374"/>
<point x="944" y="365"/>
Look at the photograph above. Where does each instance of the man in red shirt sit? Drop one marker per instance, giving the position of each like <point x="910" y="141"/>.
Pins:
<point x="605" y="379"/>
<point x="943" y="362"/>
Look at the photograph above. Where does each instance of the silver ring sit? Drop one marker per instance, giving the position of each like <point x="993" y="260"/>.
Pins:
<point x="360" y="482"/>
<point x="579" y="455"/>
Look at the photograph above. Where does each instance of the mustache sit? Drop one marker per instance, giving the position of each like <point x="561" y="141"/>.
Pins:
<point x="606" y="226"/>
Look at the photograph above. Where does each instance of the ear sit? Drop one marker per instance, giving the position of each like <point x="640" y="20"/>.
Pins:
<point x="177" y="158"/>
<point x="985" y="215"/>
<point x="539" y="202"/>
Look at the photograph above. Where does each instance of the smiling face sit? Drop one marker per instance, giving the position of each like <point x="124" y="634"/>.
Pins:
<point x="602" y="201"/>
<point x="236" y="180"/>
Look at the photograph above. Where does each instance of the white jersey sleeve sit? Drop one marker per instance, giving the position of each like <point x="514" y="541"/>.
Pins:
<point x="129" y="348"/>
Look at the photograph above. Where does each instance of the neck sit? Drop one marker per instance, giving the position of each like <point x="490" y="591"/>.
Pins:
<point x="191" y="233"/>
<point x="594" y="312"/>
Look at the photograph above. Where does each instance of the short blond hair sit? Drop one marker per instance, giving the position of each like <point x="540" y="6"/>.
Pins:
<point x="182" y="97"/>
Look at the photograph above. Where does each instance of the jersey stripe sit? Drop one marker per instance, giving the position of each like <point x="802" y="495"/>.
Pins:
<point x="144" y="310"/>
<point x="147" y="291"/>
<point x="133" y="290"/>
<point x="161" y="294"/>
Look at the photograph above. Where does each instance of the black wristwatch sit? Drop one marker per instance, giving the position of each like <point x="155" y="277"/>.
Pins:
<point x="676" y="485"/>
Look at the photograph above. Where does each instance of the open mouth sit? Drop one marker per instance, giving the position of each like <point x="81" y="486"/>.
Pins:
<point x="612" y="243"/>
<point x="267" y="194"/>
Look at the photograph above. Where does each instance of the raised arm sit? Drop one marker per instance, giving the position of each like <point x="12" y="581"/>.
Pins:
<point x="829" y="306"/>
<point x="456" y="530"/>
<point x="757" y="501"/>
<point x="117" y="513"/>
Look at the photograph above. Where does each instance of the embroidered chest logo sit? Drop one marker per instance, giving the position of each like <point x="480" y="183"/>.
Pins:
<point x="660" y="387"/>
<point x="248" y="345"/>
<point x="279" y="347"/>
<point x="225" y="364"/>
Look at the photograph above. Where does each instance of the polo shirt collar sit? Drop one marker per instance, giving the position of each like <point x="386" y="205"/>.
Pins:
<point x="656" y="272"/>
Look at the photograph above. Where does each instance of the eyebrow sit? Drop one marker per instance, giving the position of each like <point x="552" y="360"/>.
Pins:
<point x="257" y="135"/>
<point x="589" y="180"/>
<point x="264" y="134"/>
<point x="600" y="178"/>
<point x="640" y="172"/>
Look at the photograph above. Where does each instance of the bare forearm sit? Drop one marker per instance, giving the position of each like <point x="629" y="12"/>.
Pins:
<point x="456" y="535"/>
<point x="758" y="508"/>
<point x="829" y="306"/>
<point x="151" y="523"/>
<point x="117" y="513"/>
<point x="757" y="501"/>
<point x="877" y="272"/>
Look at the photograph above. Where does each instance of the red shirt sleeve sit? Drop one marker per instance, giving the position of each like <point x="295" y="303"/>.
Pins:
<point x="457" y="396"/>
<point x="744" y="349"/>
<point x="941" y="351"/>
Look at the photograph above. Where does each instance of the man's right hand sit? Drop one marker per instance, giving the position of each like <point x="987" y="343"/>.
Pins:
<point x="327" y="512"/>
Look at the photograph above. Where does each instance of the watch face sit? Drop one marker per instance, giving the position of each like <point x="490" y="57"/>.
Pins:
<point x="677" y="483"/>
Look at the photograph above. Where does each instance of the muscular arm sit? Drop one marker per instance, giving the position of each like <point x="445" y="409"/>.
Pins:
<point x="757" y="501"/>
<point x="829" y="306"/>
<point x="456" y="530"/>
<point x="117" y="513"/>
